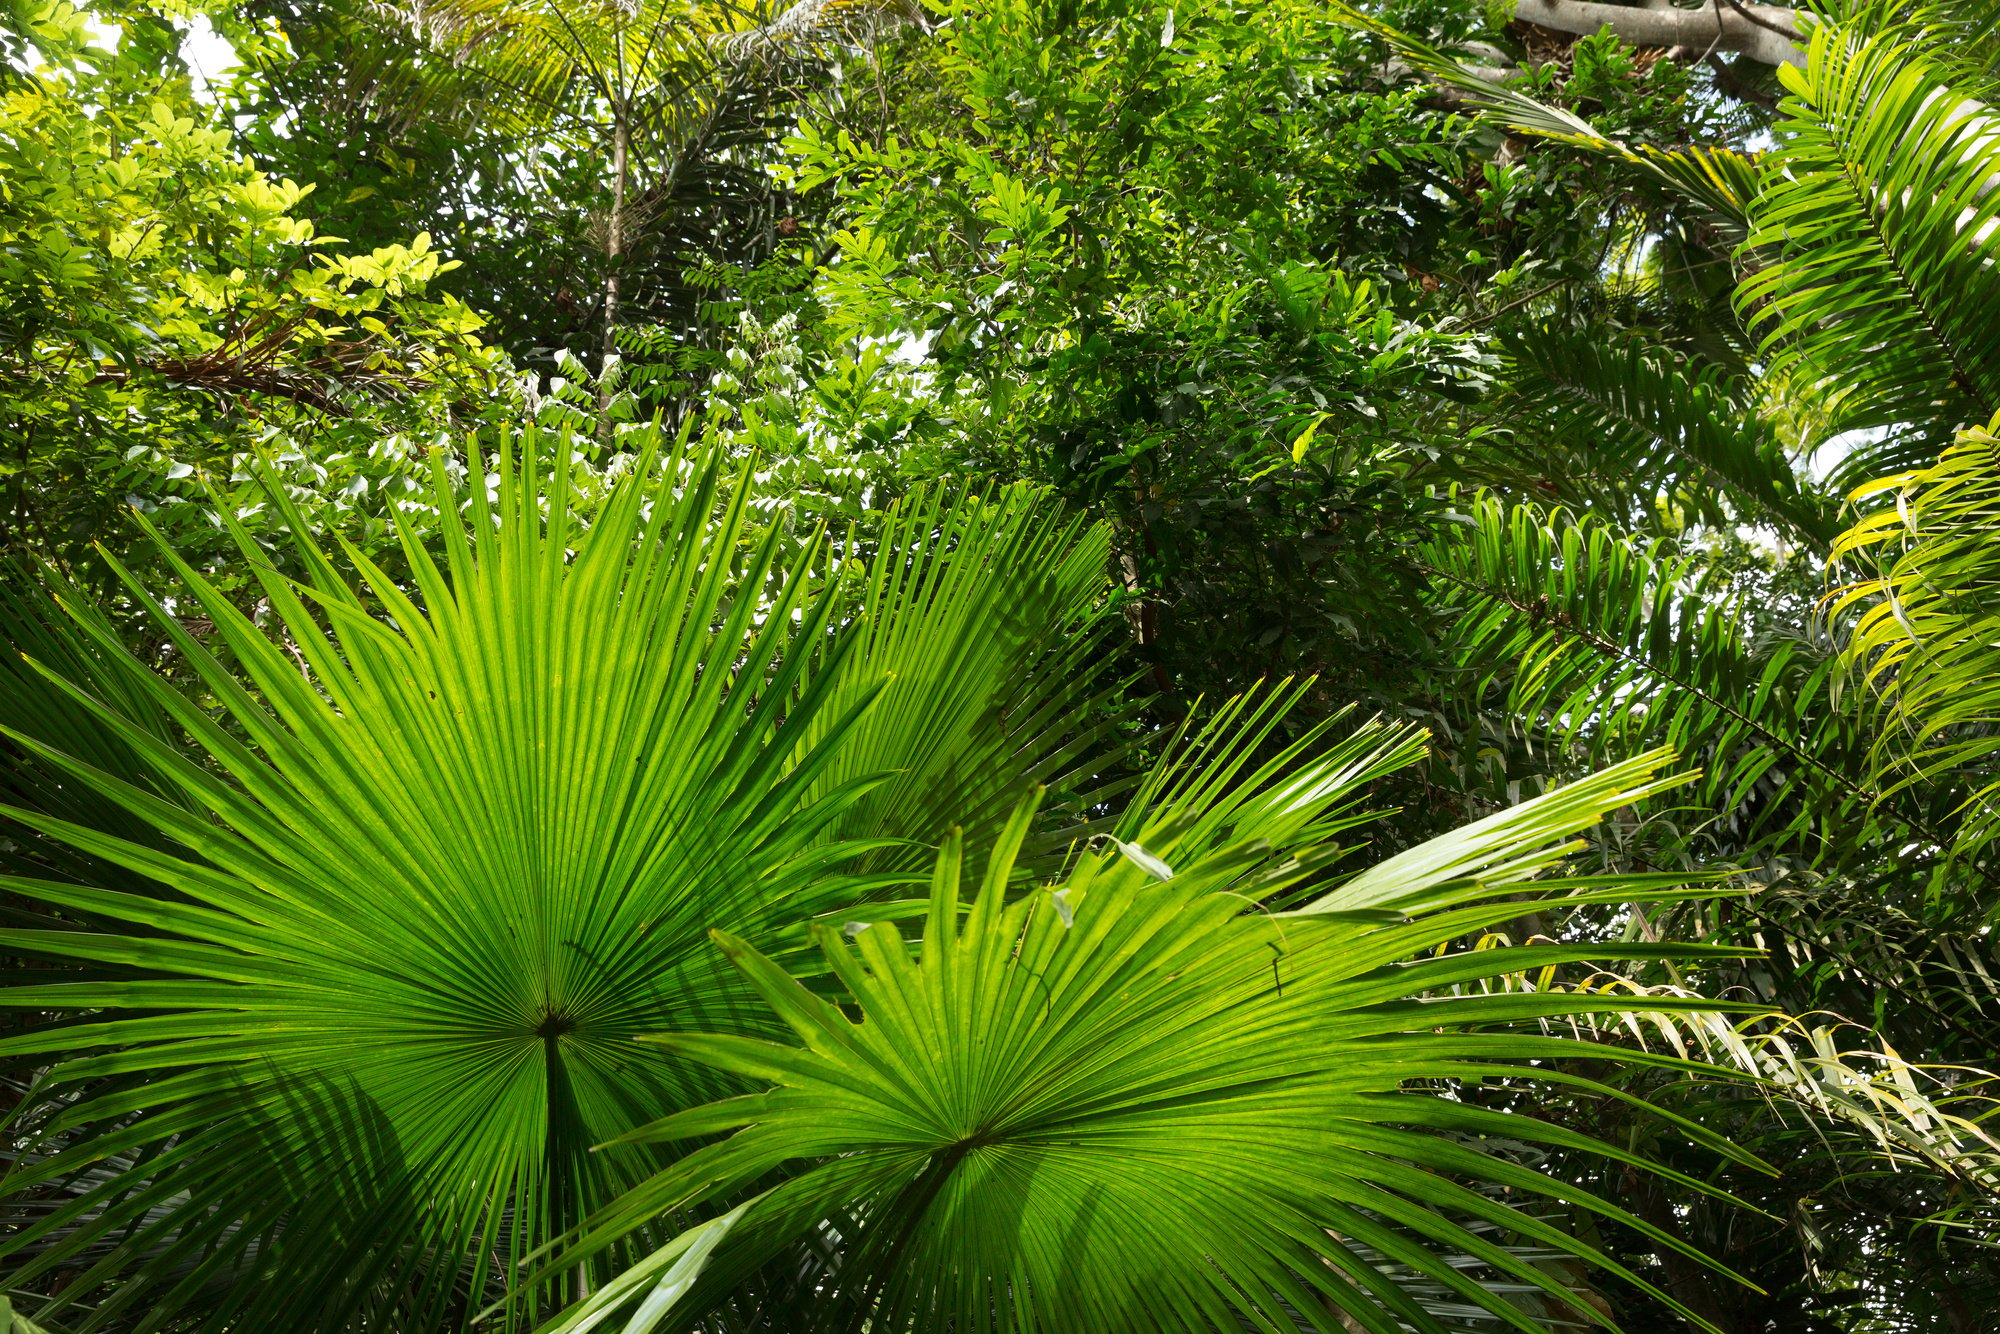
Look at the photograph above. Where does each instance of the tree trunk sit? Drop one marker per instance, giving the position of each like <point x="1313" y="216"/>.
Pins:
<point x="614" y="258"/>
<point x="1761" y="32"/>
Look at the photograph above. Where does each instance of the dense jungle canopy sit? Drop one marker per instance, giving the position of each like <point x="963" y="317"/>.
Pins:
<point x="943" y="666"/>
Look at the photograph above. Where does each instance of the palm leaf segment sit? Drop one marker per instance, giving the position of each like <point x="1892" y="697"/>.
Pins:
<point x="1881" y="212"/>
<point x="1657" y="428"/>
<point x="1928" y="634"/>
<point x="681" y="62"/>
<point x="973" y="610"/>
<point x="1594" y="644"/>
<point x="445" y="877"/>
<point x="1127" y="1103"/>
<point x="33" y="626"/>
<point x="536" y="55"/>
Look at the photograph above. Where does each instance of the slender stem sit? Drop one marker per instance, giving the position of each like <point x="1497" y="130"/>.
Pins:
<point x="912" y="1204"/>
<point x="1515" y="304"/>
<point x="614" y="252"/>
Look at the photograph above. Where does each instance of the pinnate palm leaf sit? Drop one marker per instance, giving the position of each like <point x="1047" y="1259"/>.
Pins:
<point x="1720" y="181"/>
<point x="1603" y="645"/>
<point x="1927" y="635"/>
<point x="1880" y="209"/>
<point x="1656" y="429"/>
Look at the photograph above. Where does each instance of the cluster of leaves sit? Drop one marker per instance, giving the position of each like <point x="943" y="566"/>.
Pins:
<point x="1846" y="738"/>
<point x="169" y="318"/>
<point x="1116" y="237"/>
<point x="446" y="885"/>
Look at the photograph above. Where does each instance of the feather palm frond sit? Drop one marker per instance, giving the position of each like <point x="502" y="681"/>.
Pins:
<point x="1877" y="222"/>
<point x="1603" y="644"/>
<point x="1655" y="430"/>
<point x="1720" y="181"/>
<point x="1927" y="633"/>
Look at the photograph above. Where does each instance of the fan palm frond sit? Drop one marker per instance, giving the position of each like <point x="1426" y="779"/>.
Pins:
<point x="977" y="646"/>
<point x="449" y="860"/>
<point x="43" y="661"/>
<point x="1125" y="1102"/>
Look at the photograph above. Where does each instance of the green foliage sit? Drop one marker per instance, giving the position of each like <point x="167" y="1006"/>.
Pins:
<point x="168" y="315"/>
<point x="46" y="658"/>
<point x="1603" y="644"/>
<point x="1925" y="636"/>
<point x="371" y="843"/>
<point x="432" y="888"/>
<point x="1117" y="247"/>
<point x="1120" y="1102"/>
<point x="1882" y="221"/>
<point x="1861" y="245"/>
<point x="1654" y="436"/>
<point x="400" y="144"/>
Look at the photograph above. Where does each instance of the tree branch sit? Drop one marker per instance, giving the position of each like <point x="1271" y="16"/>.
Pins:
<point x="1760" y="32"/>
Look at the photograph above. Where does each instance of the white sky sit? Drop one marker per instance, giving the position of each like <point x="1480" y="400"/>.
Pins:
<point x="208" y="54"/>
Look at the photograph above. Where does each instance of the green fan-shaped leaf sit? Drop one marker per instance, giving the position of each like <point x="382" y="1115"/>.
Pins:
<point x="1119" y="1103"/>
<point x="455" y="846"/>
<point x="976" y="622"/>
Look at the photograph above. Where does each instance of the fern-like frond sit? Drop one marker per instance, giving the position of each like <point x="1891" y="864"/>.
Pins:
<point x="1603" y="644"/>
<point x="1645" y="429"/>
<point x="1877" y="236"/>
<point x="1928" y="634"/>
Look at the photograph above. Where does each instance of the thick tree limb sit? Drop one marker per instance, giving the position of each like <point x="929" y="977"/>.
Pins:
<point x="1757" y="31"/>
<point x="1736" y="88"/>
